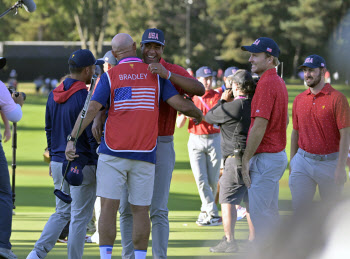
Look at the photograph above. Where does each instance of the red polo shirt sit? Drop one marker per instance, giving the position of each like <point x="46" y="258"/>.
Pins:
<point x="318" y="119"/>
<point x="167" y="114"/>
<point x="270" y="102"/>
<point x="210" y="98"/>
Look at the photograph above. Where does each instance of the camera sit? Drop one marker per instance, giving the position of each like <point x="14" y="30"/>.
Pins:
<point x="238" y="153"/>
<point x="12" y="90"/>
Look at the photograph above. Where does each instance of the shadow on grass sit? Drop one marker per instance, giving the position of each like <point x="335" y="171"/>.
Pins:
<point x="181" y="165"/>
<point x="28" y="163"/>
<point x="181" y="201"/>
<point x="35" y="196"/>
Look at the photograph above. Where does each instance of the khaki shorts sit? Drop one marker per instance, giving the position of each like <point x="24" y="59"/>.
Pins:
<point x="114" y="172"/>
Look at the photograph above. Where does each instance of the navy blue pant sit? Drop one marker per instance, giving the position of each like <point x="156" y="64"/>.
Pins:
<point x="5" y="203"/>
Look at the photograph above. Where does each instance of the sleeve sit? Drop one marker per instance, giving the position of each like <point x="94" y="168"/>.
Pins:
<point x="7" y="104"/>
<point x="342" y="112"/>
<point x="15" y="115"/>
<point x="223" y="112"/>
<point x="48" y="125"/>
<point x="264" y="99"/>
<point x="294" y="114"/>
<point x="167" y="90"/>
<point x="102" y="90"/>
<point x="182" y="72"/>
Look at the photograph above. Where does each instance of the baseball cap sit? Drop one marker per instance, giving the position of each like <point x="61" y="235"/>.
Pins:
<point x="2" y="62"/>
<point x="263" y="44"/>
<point x="314" y="61"/>
<point x="74" y="174"/>
<point x="153" y="35"/>
<point x="83" y="58"/>
<point x="204" y="72"/>
<point x="109" y="58"/>
<point x="230" y="71"/>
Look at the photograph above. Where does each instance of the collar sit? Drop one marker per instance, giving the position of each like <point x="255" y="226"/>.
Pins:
<point x="130" y="59"/>
<point x="327" y="89"/>
<point x="271" y="71"/>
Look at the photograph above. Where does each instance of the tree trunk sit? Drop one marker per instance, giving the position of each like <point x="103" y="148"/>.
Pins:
<point x="295" y="61"/>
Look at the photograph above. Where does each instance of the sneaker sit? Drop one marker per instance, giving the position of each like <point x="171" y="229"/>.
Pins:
<point x="33" y="255"/>
<point x="241" y="213"/>
<point x="225" y="247"/>
<point x="88" y="239"/>
<point x="7" y="254"/>
<point x="211" y="221"/>
<point x="202" y="216"/>
<point x="62" y="240"/>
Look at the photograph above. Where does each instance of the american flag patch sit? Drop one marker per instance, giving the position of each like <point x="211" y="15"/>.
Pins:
<point x="269" y="50"/>
<point x="109" y="251"/>
<point x="134" y="98"/>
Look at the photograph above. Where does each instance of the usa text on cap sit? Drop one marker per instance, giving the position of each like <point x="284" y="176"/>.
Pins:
<point x="153" y="35"/>
<point x="204" y="72"/>
<point x="314" y="61"/>
<point x="263" y="44"/>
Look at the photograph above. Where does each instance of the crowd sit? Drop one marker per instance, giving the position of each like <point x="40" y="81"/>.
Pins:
<point x="120" y="147"/>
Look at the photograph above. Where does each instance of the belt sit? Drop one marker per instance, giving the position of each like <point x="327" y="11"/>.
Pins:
<point x="206" y="135"/>
<point x="332" y="156"/>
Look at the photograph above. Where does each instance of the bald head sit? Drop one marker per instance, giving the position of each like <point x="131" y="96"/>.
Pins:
<point x="123" y="45"/>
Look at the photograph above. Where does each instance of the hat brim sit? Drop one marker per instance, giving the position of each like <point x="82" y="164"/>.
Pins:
<point x="2" y="62"/>
<point x="155" y="41"/>
<point x="309" y="65"/>
<point x="99" y="62"/>
<point x="251" y="49"/>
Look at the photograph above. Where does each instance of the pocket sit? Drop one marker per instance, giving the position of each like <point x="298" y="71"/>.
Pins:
<point x="260" y="164"/>
<point x="230" y="170"/>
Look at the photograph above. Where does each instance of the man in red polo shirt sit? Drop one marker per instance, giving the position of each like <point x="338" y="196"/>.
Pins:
<point x="320" y="138"/>
<point x="265" y="160"/>
<point x="205" y="151"/>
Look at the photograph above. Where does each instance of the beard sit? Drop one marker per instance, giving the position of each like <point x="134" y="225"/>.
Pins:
<point x="314" y="82"/>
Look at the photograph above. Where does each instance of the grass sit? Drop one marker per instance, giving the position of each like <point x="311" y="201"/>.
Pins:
<point x="35" y="200"/>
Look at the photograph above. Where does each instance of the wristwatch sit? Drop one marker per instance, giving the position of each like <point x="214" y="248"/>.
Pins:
<point x="70" y="138"/>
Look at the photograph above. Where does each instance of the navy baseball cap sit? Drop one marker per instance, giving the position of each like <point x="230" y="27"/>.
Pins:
<point x="230" y="71"/>
<point x="2" y="62"/>
<point x="204" y="72"/>
<point x="314" y="61"/>
<point x="83" y="58"/>
<point x="153" y="35"/>
<point x="74" y="174"/>
<point x="263" y="44"/>
<point x="109" y="58"/>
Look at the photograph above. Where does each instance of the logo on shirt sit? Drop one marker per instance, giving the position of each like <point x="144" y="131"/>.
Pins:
<point x="132" y="66"/>
<point x="257" y="111"/>
<point x="323" y="106"/>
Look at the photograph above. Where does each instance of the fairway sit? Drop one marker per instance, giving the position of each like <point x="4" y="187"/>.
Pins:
<point x="35" y="200"/>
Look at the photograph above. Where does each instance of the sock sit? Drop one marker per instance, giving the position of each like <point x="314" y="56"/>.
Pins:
<point x="140" y="254"/>
<point x="106" y="252"/>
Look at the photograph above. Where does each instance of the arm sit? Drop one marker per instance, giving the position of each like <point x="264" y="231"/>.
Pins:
<point x="186" y="107"/>
<point x="256" y="135"/>
<point x="97" y="126"/>
<point x="340" y="173"/>
<point x="93" y="109"/>
<point x="7" y="133"/>
<point x="218" y="114"/>
<point x="181" y="120"/>
<point x="293" y="146"/>
<point x="190" y="85"/>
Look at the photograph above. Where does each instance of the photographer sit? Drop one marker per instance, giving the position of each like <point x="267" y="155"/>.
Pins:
<point x="232" y="113"/>
<point x="11" y="108"/>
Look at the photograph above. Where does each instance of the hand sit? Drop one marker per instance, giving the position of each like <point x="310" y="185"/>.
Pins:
<point x="50" y="172"/>
<point x="70" y="151"/>
<point x="97" y="128"/>
<point x="340" y="175"/>
<point x="7" y="135"/>
<point x="227" y="95"/>
<point x="18" y="99"/>
<point x="245" y="173"/>
<point x="157" y="68"/>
